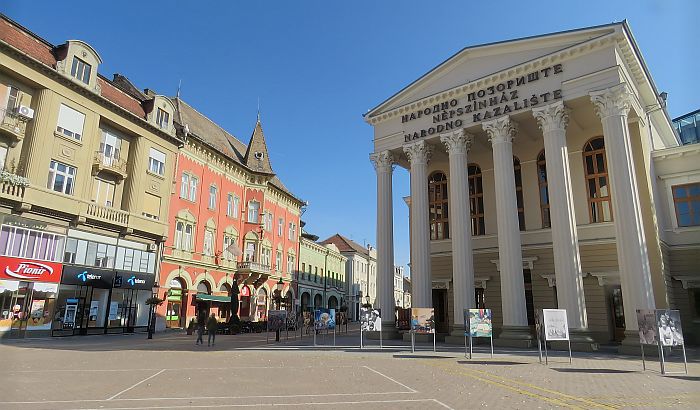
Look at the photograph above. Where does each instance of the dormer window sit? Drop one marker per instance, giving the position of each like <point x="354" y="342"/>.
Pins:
<point x="81" y="70"/>
<point x="163" y="118"/>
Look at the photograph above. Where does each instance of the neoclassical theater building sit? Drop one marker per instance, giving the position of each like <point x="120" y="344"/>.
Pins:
<point x="544" y="173"/>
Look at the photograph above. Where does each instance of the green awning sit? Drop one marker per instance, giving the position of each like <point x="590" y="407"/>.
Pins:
<point x="212" y="298"/>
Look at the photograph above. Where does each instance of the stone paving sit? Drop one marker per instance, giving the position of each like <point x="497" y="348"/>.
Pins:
<point x="131" y="372"/>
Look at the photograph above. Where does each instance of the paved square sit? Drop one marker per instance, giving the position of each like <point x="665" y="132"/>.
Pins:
<point x="130" y="372"/>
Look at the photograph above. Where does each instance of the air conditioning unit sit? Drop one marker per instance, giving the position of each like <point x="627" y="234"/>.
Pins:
<point x="26" y="112"/>
<point x="152" y="247"/>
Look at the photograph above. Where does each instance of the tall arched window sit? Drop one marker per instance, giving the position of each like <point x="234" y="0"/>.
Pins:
<point x="253" y="210"/>
<point x="179" y="228"/>
<point x="476" y="200"/>
<point x="439" y="217"/>
<point x="544" y="190"/>
<point x="596" y="168"/>
<point x="519" y="192"/>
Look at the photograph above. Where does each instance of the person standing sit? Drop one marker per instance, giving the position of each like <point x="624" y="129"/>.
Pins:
<point x="212" y="326"/>
<point x="200" y="329"/>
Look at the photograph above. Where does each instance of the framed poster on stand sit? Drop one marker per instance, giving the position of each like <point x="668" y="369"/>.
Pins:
<point x="276" y="322"/>
<point x="370" y="321"/>
<point x="552" y="325"/>
<point x="422" y="322"/>
<point x="661" y="327"/>
<point x="324" y="319"/>
<point x="477" y="323"/>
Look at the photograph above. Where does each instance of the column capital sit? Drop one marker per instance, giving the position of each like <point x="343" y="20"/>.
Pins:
<point x="615" y="100"/>
<point x="418" y="152"/>
<point x="552" y="117"/>
<point x="383" y="161"/>
<point x="457" y="142"/>
<point x="501" y="129"/>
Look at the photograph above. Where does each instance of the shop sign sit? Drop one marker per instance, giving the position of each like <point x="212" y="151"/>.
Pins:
<point x="134" y="280"/>
<point x="29" y="270"/>
<point x="87" y="276"/>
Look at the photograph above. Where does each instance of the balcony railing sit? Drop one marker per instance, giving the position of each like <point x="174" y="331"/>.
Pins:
<point x="11" y="191"/>
<point x="13" y="124"/>
<point x="102" y="162"/>
<point x="253" y="266"/>
<point x="106" y="214"/>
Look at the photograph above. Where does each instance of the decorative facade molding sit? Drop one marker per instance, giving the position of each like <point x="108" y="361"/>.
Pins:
<point x="552" y="117"/>
<point x="551" y="279"/>
<point x="616" y="100"/>
<point x="383" y="161"/>
<point x="688" y="281"/>
<point x="606" y="278"/>
<point x="480" y="282"/>
<point x="418" y="152"/>
<point x="528" y="263"/>
<point x="457" y="142"/>
<point x="500" y="130"/>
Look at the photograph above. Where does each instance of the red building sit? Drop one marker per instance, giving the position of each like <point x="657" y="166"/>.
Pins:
<point x="232" y="223"/>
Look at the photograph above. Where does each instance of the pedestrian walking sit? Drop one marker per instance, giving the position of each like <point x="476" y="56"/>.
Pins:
<point x="212" y="326"/>
<point x="200" y="330"/>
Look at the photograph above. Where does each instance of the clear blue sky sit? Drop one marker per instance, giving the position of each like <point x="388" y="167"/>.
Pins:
<point x="317" y="66"/>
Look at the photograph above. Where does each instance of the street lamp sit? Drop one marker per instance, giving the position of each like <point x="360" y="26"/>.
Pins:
<point x="151" y="319"/>
<point x="367" y="299"/>
<point x="280" y="285"/>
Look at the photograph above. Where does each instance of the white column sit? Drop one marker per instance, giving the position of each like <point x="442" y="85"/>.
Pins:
<point x="458" y="144"/>
<point x="501" y="132"/>
<point x="419" y="154"/>
<point x="384" y="166"/>
<point x="553" y="120"/>
<point x="612" y="106"/>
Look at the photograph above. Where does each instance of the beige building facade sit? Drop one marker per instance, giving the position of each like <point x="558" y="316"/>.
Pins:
<point x="542" y="176"/>
<point x="87" y="172"/>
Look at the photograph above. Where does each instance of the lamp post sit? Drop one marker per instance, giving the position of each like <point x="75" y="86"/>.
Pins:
<point x="151" y="319"/>
<point x="280" y="285"/>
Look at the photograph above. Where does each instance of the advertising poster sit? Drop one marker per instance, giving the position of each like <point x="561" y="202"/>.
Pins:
<point x="324" y="319"/>
<point x="276" y="320"/>
<point x="478" y="321"/>
<point x="423" y="320"/>
<point x="94" y="309"/>
<point x="646" y="322"/>
<point x="308" y="319"/>
<point x="669" y="325"/>
<point x="556" y="326"/>
<point x="113" y="310"/>
<point x="370" y="319"/>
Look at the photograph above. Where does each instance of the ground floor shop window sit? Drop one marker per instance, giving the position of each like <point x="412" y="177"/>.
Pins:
<point x="26" y="306"/>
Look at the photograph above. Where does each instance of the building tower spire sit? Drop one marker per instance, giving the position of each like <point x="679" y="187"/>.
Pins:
<point x="256" y="156"/>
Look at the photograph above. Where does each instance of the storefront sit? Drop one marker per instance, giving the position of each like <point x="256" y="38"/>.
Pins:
<point x="28" y="291"/>
<point x="99" y="301"/>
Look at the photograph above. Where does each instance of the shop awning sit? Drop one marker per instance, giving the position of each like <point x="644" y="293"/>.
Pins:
<point x="213" y="298"/>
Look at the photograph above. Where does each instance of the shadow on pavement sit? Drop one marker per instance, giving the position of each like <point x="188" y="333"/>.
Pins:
<point x="415" y="356"/>
<point x="595" y="371"/>
<point x="689" y="378"/>
<point x="490" y="362"/>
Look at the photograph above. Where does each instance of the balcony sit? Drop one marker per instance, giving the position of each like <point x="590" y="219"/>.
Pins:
<point x="106" y="214"/>
<point x="114" y="166"/>
<point x="12" y="125"/>
<point x="252" y="273"/>
<point x="12" y="191"/>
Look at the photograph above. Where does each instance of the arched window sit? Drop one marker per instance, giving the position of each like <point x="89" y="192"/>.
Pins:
<point x="179" y="228"/>
<point x="203" y="287"/>
<point x="519" y="192"/>
<point x="544" y="190"/>
<point x="187" y="239"/>
<point x="437" y="196"/>
<point x="596" y="168"/>
<point x="253" y="210"/>
<point x="476" y="200"/>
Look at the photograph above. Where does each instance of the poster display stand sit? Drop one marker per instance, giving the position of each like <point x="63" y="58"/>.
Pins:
<point x="276" y="321"/>
<point x="324" y="319"/>
<point x="477" y="323"/>
<point x="370" y="321"/>
<point x="661" y="327"/>
<point x="422" y="322"/>
<point x="551" y="325"/>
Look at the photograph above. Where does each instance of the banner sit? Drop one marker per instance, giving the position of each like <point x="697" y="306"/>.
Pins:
<point x="324" y="319"/>
<point x="478" y="322"/>
<point x="556" y="326"/>
<point x="29" y="270"/>
<point x="646" y="322"/>
<point x="669" y="325"/>
<point x="423" y="320"/>
<point x="370" y="319"/>
<point x="276" y="320"/>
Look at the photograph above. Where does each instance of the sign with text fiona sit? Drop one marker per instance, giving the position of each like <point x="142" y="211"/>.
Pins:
<point x="29" y="270"/>
<point x="504" y="98"/>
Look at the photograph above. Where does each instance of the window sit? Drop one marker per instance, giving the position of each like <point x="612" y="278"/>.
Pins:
<point x="437" y="197"/>
<point x="236" y="206"/>
<point x="3" y="157"/>
<point x="278" y="261"/>
<point x="110" y="147"/>
<point x="156" y="162"/>
<point x="151" y="206"/>
<point x="266" y="256"/>
<point x="595" y="166"/>
<point x="268" y="221"/>
<point x="193" y="188"/>
<point x="183" y="236"/>
<point x="544" y="190"/>
<point x="12" y="98"/>
<point x="292" y="231"/>
<point x="91" y="253"/>
<point x="519" y="192"/>
<point x="162" y="118"/>
<point x="80" y="70"/>
<point x="229" y="205"/>
<point x="253" y="209"/>
<point x="103" y="192"/>
<point x="179" y="230"/>
<point x="687" y="203"/>
<point x="28" y="243"/>
<point x="280" y="227"/>
<point x="70" y="122"/>
<point x="61" y="178"/>
<point x="208" y="248"/>
<point x="212" y="197"/>
<point x="476" y="200"/>
<point x="184" y="186"/>
<point x="187" y="238"/>
<point x="228" y="241"/>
